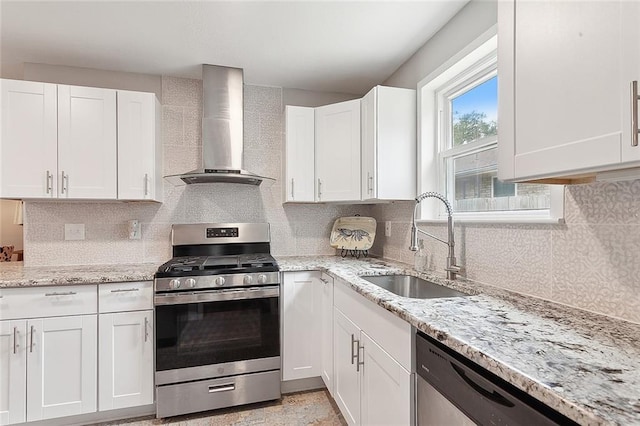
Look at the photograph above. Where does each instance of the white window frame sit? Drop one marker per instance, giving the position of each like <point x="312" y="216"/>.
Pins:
<point x="478" y="58"/>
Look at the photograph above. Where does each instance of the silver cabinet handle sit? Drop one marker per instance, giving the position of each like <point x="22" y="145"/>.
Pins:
<point x="354" y="356"/>
<point x="222" y="388"/>
<point x="15" y="340"/>
<point x="33" y="330"/>
<point x="68" y="293"/>
<point x="49" y="182"/>
<point x="370" y="182"/>
<point x="324" y="281"/>
<point x="292" y="196"/>
<point x="1" y="297"/>
<point x="65" y="183"/>
<point x="146" y="329"/>
<point x="359" y="363"/>
<point x="634" y="113"/>
<point x="319" y="189"/>
<point x="123" y="290"/>
<point x="146" y="184"/>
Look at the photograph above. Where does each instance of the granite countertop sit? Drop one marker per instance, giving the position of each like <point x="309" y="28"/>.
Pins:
<point x="584" y="365"/>
<point x="15" y="274"/>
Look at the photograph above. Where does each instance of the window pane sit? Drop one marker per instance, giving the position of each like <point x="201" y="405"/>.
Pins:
<point x="477" y="189"/>
<point x="475" y="113"/>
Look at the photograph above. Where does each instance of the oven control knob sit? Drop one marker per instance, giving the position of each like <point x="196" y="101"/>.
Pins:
<point x="262" y="278"/>
<point x="219" y="281"/>
<point x="174" y="284"/>
<point x="248" y="279"/>
<point x="190" y="282"/>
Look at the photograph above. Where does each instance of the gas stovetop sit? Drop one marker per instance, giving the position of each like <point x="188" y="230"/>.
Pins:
<point x="214" y="265"/>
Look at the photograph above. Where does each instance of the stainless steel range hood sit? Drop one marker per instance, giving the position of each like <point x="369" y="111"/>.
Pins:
<point x="222" y="130"/>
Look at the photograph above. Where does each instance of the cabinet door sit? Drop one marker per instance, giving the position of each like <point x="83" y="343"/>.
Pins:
<point x="126" y="359"/>
<point x="346" y="371"/>
<point x="386" y="387"/>
<point x="562" y="91"/>
<point x="338" y="151"/>
<point x="301" y="325"/>
<point x="630" y="72"/>
<point x="61" y="367"/>
<point x="28" y="139"/>
<point x="139" y="154"/>
<point x="326" y="332"/>
<point x="86" y="142"/>
<point x="13" y="372"/>
<point x="300" y="155"/>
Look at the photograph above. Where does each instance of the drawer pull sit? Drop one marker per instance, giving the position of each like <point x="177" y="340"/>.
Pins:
<point x="1" y="297"/>
<point x="222" y="388"/>
<point x="33" y="330"/>
<point x="68" y="293"/>
<point x="124" y="290"/>
<point x="146" y="329"/>
<point x="15" y="340"/>
<point x="634" y="113"/>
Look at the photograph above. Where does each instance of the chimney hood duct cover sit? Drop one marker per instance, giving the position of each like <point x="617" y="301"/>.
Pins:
<point x="222" y="130"/>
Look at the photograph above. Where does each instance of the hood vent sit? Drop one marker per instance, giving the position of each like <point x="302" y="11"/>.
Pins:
<point x="222" y="130"/>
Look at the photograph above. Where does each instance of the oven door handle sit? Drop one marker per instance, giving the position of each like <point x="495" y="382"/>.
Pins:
<point x="216" y="296"/>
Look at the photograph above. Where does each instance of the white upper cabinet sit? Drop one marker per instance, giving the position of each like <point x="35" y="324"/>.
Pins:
<point x="28" y="139"/>
<point x="139" y="147"/>
<point x="388" y="144"/>
<point x="299" y="173"/>
<point x="337" y="151"/>
<point x="60" y="141"/>
<point x="565" y="71"/>
<point x="86" y="142"/>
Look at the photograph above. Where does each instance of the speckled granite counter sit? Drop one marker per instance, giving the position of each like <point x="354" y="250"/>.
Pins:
<point x="584" y="365"/>
<point x="14" y="274"/>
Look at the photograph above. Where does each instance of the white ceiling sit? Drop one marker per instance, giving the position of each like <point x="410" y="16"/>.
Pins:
<point x="338" y="46"/>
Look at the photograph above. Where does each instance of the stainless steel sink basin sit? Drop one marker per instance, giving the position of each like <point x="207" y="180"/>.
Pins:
<point x="413" y="287"/>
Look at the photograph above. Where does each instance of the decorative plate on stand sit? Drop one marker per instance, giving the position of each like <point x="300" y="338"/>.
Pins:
<point x="353" y="233"/>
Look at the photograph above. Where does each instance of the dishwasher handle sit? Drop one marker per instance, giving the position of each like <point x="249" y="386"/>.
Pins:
<point x="491" y="396"/>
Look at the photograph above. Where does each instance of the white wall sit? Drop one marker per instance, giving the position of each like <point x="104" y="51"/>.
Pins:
<point x="472" y="20"/>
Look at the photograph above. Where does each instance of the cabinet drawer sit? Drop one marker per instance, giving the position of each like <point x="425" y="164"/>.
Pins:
<point x="129" y="296"/>
<point x="37" y="302"/>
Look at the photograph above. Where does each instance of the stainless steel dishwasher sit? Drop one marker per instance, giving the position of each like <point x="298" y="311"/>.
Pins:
<point x="452" y="390"/>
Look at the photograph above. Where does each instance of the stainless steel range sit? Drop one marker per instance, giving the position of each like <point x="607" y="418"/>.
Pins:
<point x="217" y="319"/>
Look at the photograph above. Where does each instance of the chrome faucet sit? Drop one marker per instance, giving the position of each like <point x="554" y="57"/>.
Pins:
<point x="452" y="269"/>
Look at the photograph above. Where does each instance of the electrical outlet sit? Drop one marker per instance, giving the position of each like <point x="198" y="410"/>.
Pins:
<point x="387" y="229"/>
<point x="73" y="231"/>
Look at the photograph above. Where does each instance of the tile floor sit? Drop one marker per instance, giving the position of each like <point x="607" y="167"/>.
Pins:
<point x="296" y="409"/>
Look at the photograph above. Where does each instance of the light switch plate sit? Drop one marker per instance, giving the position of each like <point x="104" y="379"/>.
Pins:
<point x="73" y="231"/>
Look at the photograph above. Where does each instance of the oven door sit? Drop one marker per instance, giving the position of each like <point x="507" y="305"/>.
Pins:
<point x="208" y="334"/>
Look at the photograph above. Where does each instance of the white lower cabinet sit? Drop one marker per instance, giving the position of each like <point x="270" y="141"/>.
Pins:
<point x="49" y="343"/>
<point x="346" y="367"/>
<point x="386" y="387"/>
<point x="13" y="372"/>
<point x="61" y="367"/>
<point x="307" y="326"/>
<point x="126" y="359"/>
<point x="372" y="362"/>
<point x="301" y="295"/>
<point x="326" y="332"/>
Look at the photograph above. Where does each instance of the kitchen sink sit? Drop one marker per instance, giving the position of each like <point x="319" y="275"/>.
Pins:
<point x="413" y="287"/>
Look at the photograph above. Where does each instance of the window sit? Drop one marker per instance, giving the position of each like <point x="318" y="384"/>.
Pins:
<point x="459" y="142"/>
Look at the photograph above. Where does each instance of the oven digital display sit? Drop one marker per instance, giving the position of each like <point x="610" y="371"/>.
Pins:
<point x="222" y="232"/>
